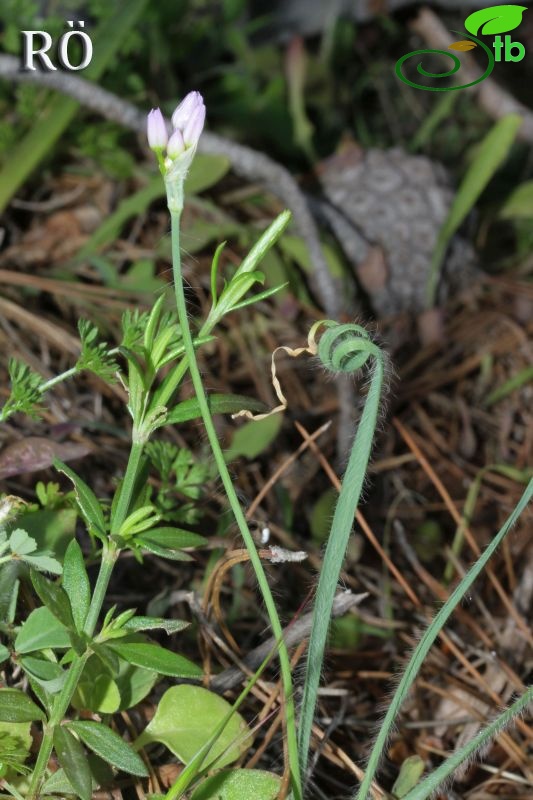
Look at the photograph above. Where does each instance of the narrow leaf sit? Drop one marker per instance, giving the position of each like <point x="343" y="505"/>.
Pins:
<point x="173" y="538"/>
<point x="15" y="706"/>
<point x="218" y="404"/>
<point x="151" y="656"/>
<point x="109" y="746"/>
<point x="54" y="598"/>
<point x="87" y="501"/>
<point x="40" y="631"/>
<point x="73" y="759"/>
<point x="76" y="583"/>
<point x="136" y="624"/>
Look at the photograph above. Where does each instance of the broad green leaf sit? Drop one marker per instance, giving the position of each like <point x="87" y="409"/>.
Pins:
<point x="9" y="587"/>
<point x="109" y="746"/>
<point x="134" y="684"/>
<point x="186" y="718"/>
<point x="173" y="538"/>
<point x="152" y="656"/>
<point x="100" y="695"/>
<point x="218" y="404"/>
<point x="519" y="205"/>
<point x="59" y="784"/>
<point x="490" y="155"/>
<point x="52" y="530"/>
<point x="239" y="784"/>
<point x="15" y="706"/>
<point x="40" y="631"/>
<point x="73" y="759"/>
<point x="90" y="508"/>
<point x="76" y="583"/>
<point x="206" y="170"/>
<point x="253" y="438"/>
<point x="498" y="19"/>
<point x="96" y="689"/>
<point x="54" y="598"/>
<point x="156" y="623"/>
<point x="4" y="653"/>
<point x="410" y="773"/>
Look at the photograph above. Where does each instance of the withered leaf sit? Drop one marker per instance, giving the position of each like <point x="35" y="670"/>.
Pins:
<point x="36" y="452"/>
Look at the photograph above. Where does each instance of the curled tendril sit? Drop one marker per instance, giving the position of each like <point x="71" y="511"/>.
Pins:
<point x="345" y="347"/>
<point x="439" y="75"/>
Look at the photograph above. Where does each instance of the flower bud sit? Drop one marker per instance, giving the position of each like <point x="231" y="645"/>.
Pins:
<point x="186" y="107"/>
<point x="194" y="127"/>
<point x="176" y="145"/>
<point x="157" y="130"/>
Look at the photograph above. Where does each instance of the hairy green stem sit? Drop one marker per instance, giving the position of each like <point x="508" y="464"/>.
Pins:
<point x="342" y="524"/>
<point x="234" y="502"/>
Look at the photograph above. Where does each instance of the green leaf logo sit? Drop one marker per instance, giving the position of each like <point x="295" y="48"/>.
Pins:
<point x="498" y="19"/>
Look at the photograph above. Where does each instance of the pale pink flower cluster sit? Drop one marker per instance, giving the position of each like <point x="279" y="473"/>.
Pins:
<point x="188" y="122"/>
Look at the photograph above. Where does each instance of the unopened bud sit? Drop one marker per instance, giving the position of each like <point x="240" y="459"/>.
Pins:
<point x="194" y="127"/>
<point x="157" y="130"/>
<point x="176" y="144"/>
<point x="184" y="110"/>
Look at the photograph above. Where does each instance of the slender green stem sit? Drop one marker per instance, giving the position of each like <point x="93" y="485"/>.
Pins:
<point x="236" y="508"/>
<point x="59" y="710"/>
<point x="69" y="373"/>
<point x="423" y="647"/>
<point x="128" y="486"/>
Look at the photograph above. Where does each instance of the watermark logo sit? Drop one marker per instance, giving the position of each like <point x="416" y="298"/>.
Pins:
<point x="493" y="21"/>
<point x="36" y="44"/>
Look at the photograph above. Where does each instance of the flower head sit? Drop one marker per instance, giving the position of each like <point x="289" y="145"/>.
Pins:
<point x="157" y="130"/>
<point x="175" y="154"/>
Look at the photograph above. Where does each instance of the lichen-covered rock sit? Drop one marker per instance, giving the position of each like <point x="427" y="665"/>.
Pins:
<point x="395" y="204"/>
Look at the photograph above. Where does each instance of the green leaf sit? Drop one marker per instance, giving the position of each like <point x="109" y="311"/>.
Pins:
<point x="21" y="544"/>
<point x="498" y="19"/>
<point x="519" y="204"/>
<point x="15" y="745"/>
<point x="42" y="630"/>
<point x="185" y="720"/>
<point x="73" y="759"/>
<point x="101" y="694"/>
<point x="134" y="684"/>
<point x="490" y="155"/>
<point x="152" y="656"/>
<point x="4" y="653"/>
<point x="15" y="706"/>
<point x="252" y="438"/>
<point x="76" y="583"/>
<point x="206" y="170"/>
<point x="89" y="506"/>
<point x="170" y="626"/>
<point x="239" y="784"/>
<point x="43" y="563"/>
<point x="218" y="404"/>
<point x="162" y="552"/>
<point x="54" y="598"/>
<point x="109" y="746"/>
<point x="52" y="530"/>
<point x="47" y="674"/>
<point x="173" y="538"/>
<point x="410" y="773"/>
